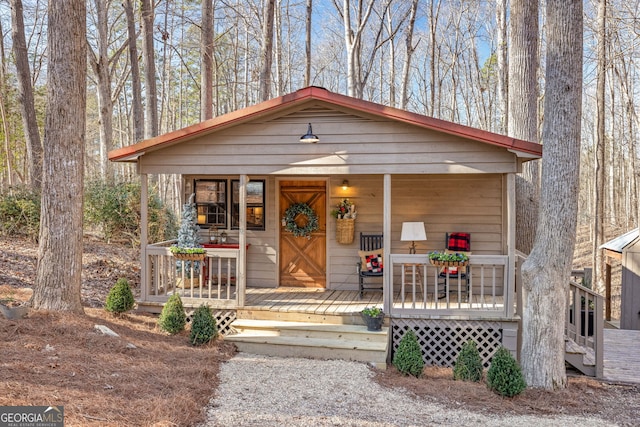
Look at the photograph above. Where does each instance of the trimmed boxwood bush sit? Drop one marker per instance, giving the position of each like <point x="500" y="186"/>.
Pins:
<point x="468" y="365"/>
<point x="172" y="318"/>
<point x="120" y="298"/>
<point x="408" y="358"/>
<point x="20" y="213"/>
<point x="203" y="326"/>
<point x="504" y="375"/>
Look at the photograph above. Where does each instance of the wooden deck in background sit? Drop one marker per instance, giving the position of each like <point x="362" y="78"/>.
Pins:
<point x="622" y="355"/>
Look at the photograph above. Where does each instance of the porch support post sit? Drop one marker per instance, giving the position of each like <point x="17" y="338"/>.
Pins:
<point x="144" y="236"/>
<point x="511" y="244"/>
<point x="242" y="240"/>
<point x="387" y="295"/>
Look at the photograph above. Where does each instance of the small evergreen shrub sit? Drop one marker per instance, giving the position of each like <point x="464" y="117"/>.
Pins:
<point x="20" y="213"/>
<point x="172" y="318"/>
<point x="504" y="375"/>
<point x="468" y="365"/>
<point x="408" y="358"/>
<point x="114" y="210"/>
<point x="203" y="326"/>
<point x="120" y="298"/>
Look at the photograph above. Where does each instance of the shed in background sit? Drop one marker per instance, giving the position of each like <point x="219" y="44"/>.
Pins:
<point x="626" y="249"/>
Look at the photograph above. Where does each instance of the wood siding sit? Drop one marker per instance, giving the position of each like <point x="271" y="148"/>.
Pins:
<point x="445" y="203"/>
<point x="466" y="203"/>
<point x="349" y="144"/>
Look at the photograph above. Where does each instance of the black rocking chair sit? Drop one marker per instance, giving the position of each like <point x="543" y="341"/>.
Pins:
<point x="371" y="262"/>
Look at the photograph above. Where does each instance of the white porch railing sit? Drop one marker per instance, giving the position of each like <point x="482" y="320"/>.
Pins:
<point x="417" y="288"/>
<point x="213" y="279"/>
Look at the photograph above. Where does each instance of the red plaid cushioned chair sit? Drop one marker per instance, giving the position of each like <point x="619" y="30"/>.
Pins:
<point x="455" y="242"/>
<point x="371" y="262"/>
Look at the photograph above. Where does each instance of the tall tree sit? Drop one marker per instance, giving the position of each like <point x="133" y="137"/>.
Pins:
<point x="501" y="53"/>
<point x="307" y="44"/>
<point x="58" y="273"/>
<point x="523" y="113"/>
<point x="546" y="271"/>
<point x="599" y="196"/>
<point x="206" y="55"/>
<point x="99" y="61"/>
<point x="266" y="52"/>
<point x="409" y="49"/>
<point x="148" y="53"/>
<point x="25" y="93"/>
<point x="136" y="86"/>
<point x="353" y="32"/>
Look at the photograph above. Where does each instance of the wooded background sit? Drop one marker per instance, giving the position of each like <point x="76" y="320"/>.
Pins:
<point x="157" y="66"/>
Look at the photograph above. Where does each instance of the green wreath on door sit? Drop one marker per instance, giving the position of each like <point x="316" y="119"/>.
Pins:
<point x="289" y="220"/>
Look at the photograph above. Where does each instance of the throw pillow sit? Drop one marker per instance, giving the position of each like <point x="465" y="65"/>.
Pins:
<point x="379" y="253"/>
<point x="374" y="263"/>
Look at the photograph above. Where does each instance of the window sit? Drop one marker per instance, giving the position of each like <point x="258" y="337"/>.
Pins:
<point x="255" y="204"/>
<point x="211" y="202"/>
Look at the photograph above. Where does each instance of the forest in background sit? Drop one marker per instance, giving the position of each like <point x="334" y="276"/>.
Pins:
<point x="158" y="66"/>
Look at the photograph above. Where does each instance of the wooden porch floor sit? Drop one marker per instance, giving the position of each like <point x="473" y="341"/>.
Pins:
<point x="621" y="355"/>
<point x="325" y="301"/>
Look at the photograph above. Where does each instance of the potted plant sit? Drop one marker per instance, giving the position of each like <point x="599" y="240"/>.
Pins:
<point x="373" y="318"/>
<point x="188" y="254"/>
<point x="448" y="259"/>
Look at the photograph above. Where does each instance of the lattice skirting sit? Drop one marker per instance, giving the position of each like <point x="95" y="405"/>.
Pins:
<point x="224" y="318"/>
<point x="441" y="340"/>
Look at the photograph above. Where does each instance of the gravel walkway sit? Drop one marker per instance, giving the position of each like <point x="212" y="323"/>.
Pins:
<point x="271" y="391"/>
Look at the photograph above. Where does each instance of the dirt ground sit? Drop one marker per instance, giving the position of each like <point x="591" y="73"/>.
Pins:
<point x="60" y="359"/>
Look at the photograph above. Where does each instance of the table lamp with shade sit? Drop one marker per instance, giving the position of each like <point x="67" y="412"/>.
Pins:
<point x="413" y="232"/>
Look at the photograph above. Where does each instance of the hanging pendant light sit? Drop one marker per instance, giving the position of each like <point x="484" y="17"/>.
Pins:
<point x="309" y="137"/>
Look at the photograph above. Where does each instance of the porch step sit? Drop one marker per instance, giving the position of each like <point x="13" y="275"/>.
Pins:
<point x="581" y="358"/>
<point x="256" y="313"/>
<point x="312" y="340"/>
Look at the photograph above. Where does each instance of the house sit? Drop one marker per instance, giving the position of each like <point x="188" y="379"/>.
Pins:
<point x="248" y="167"/>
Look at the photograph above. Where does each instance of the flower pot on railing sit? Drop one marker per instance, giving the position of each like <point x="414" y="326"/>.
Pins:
<point x="439" y="263"/>
<point x="188" y="254"/>
<point x="189" y="257"/>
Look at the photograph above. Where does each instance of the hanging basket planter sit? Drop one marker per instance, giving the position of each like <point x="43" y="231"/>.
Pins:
<point x="344" y="230"/>
<point x="439" y="263"/>
<point x="190" y="257"/>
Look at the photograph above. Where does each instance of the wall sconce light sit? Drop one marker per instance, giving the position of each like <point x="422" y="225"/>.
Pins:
<point x="309" y="137"/>
<point x="345" y="185"/>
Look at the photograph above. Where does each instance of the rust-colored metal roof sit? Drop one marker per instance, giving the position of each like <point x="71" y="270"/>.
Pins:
<point x="302" y="96"/>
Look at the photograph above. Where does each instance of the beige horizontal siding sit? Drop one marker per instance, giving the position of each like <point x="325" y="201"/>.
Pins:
<point x="348" y="145"/>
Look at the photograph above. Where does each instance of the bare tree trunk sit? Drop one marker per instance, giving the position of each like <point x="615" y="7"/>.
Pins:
<point x="25" y="94"/>
<point x="100" y="64"/>
<point x="58" y="273"/>
<point x="148" y="53"/>
<point x="266" y="54"/>
<point x="546" y="272"/>
<point x="307" y="70"/>
<point x="3" y="110"/>
<point x="598" y="197"/>
<point x="136" y="91"/>
<point x="523" y="114"/>
<point x="410" y="48"/>
<point x="503" y="73"/>
<point x="206" y="55"/>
